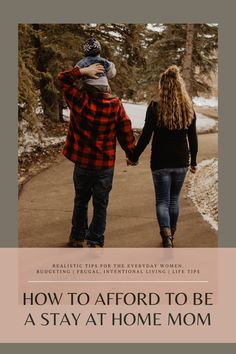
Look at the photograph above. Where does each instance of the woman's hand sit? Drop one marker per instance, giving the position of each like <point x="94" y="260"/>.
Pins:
<point x="193" y="169"/>
<point x="92" y="70"/>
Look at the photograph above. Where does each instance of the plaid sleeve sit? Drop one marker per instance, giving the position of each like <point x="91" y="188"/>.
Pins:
<point x="125" y="134"/>
<point x="66" y="82"/>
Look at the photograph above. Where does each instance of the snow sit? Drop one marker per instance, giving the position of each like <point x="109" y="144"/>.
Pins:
<point x="21" y="105"/>
<point x="26" y="139"/>
<point x="114" y="34"/>
<point x="203" y="190"/>
<point x="206" y="102"/>
<point x="66" y="114"/>
<point x="137" y="113"/>
<point x="29" y="141"/>
<point x="155" y="27"/>
<point x="51" y="141"/>
<point x="39" y="110"/>
<point x="206" y="124"/>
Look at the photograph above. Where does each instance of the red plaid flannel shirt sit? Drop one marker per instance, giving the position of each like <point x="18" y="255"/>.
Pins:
<point x="95" y="122"/>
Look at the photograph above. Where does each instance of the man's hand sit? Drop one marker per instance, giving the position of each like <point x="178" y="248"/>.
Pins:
<point x="193" y="169"/>
<point x="130" y="163"/>
<point x="92" y="70"/>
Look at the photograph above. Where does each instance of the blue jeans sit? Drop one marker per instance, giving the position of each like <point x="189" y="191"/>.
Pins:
<point x="96" y="184"/>
<point x="168" y="183"/>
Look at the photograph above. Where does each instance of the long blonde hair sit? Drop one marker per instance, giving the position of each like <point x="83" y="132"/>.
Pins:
<point x="175" y="109"/>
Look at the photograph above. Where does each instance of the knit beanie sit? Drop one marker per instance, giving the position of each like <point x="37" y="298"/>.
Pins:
<point x="92" y="47"/>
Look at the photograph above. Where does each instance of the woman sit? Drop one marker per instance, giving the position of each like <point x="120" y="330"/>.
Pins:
<point x="173" y="122"/>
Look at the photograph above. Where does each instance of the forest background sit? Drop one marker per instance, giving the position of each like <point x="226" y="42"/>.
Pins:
<point x="140" y="53"/>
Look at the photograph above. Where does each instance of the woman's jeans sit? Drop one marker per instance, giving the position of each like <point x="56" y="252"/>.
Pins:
<point x="96" y="184"/>
<point x="168" y="183"/>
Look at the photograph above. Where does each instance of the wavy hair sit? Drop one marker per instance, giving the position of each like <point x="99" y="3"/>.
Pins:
<point x="175" y="109"/>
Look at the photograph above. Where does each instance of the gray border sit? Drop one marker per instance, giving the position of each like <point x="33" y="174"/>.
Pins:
<point x="114" y="11"/>
<point x="118" y="348"/>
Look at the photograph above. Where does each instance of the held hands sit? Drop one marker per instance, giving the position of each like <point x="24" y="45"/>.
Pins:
<point x="92" y="70"/>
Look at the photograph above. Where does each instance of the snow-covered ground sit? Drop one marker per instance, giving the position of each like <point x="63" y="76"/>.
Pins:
<point x="206" y="124"/>
<point x="203" y="190"/>
<point x="29" y="141"/>
<point x="137" y="113"/>
<point x="206" y="102"/>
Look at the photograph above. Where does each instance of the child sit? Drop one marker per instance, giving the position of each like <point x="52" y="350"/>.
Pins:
<point x="92" y="50"/>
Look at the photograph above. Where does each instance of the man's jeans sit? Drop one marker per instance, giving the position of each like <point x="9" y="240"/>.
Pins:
<point x="168" y="183"/>
<point x="96" y="184"/>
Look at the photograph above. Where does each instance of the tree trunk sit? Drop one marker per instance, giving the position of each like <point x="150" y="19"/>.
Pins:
<point x="49" y="96"/>
<point x="188" y="59"/>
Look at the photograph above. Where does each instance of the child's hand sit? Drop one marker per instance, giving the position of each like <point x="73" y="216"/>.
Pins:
<point x="92" y="70"/>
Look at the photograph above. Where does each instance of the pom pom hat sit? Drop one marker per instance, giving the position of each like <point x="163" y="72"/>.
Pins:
<point x="92" y="47"/>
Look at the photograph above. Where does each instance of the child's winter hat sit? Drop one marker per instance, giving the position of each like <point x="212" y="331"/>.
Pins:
<point x="92" y="47"/>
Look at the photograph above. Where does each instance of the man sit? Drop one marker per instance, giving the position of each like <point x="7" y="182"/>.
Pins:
<point x="96" y="120"/>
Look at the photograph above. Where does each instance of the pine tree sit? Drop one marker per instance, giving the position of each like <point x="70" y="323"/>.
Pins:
<point x="192" y="47"/>
<point x="57" y="48"/>
<point x="140" y="52"/>
<point x="124" y="45"/>
<point x="27" y="75"/>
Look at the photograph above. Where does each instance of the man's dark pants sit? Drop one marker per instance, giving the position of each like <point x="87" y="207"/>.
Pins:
<point x="96" y="184"/>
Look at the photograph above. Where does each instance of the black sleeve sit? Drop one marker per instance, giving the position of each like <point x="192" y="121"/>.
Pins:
<point x="150" y="122"/>
<point x="193" y="142"/>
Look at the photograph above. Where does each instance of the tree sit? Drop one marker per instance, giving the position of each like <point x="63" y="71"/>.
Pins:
<point x="188" y="70"/>
<point x="140" y="52"/>
<point x="191" y="47"/>
<point x="27" y="75"/>
<point x="57" y="47"/>
<point x="124" y="45"/>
